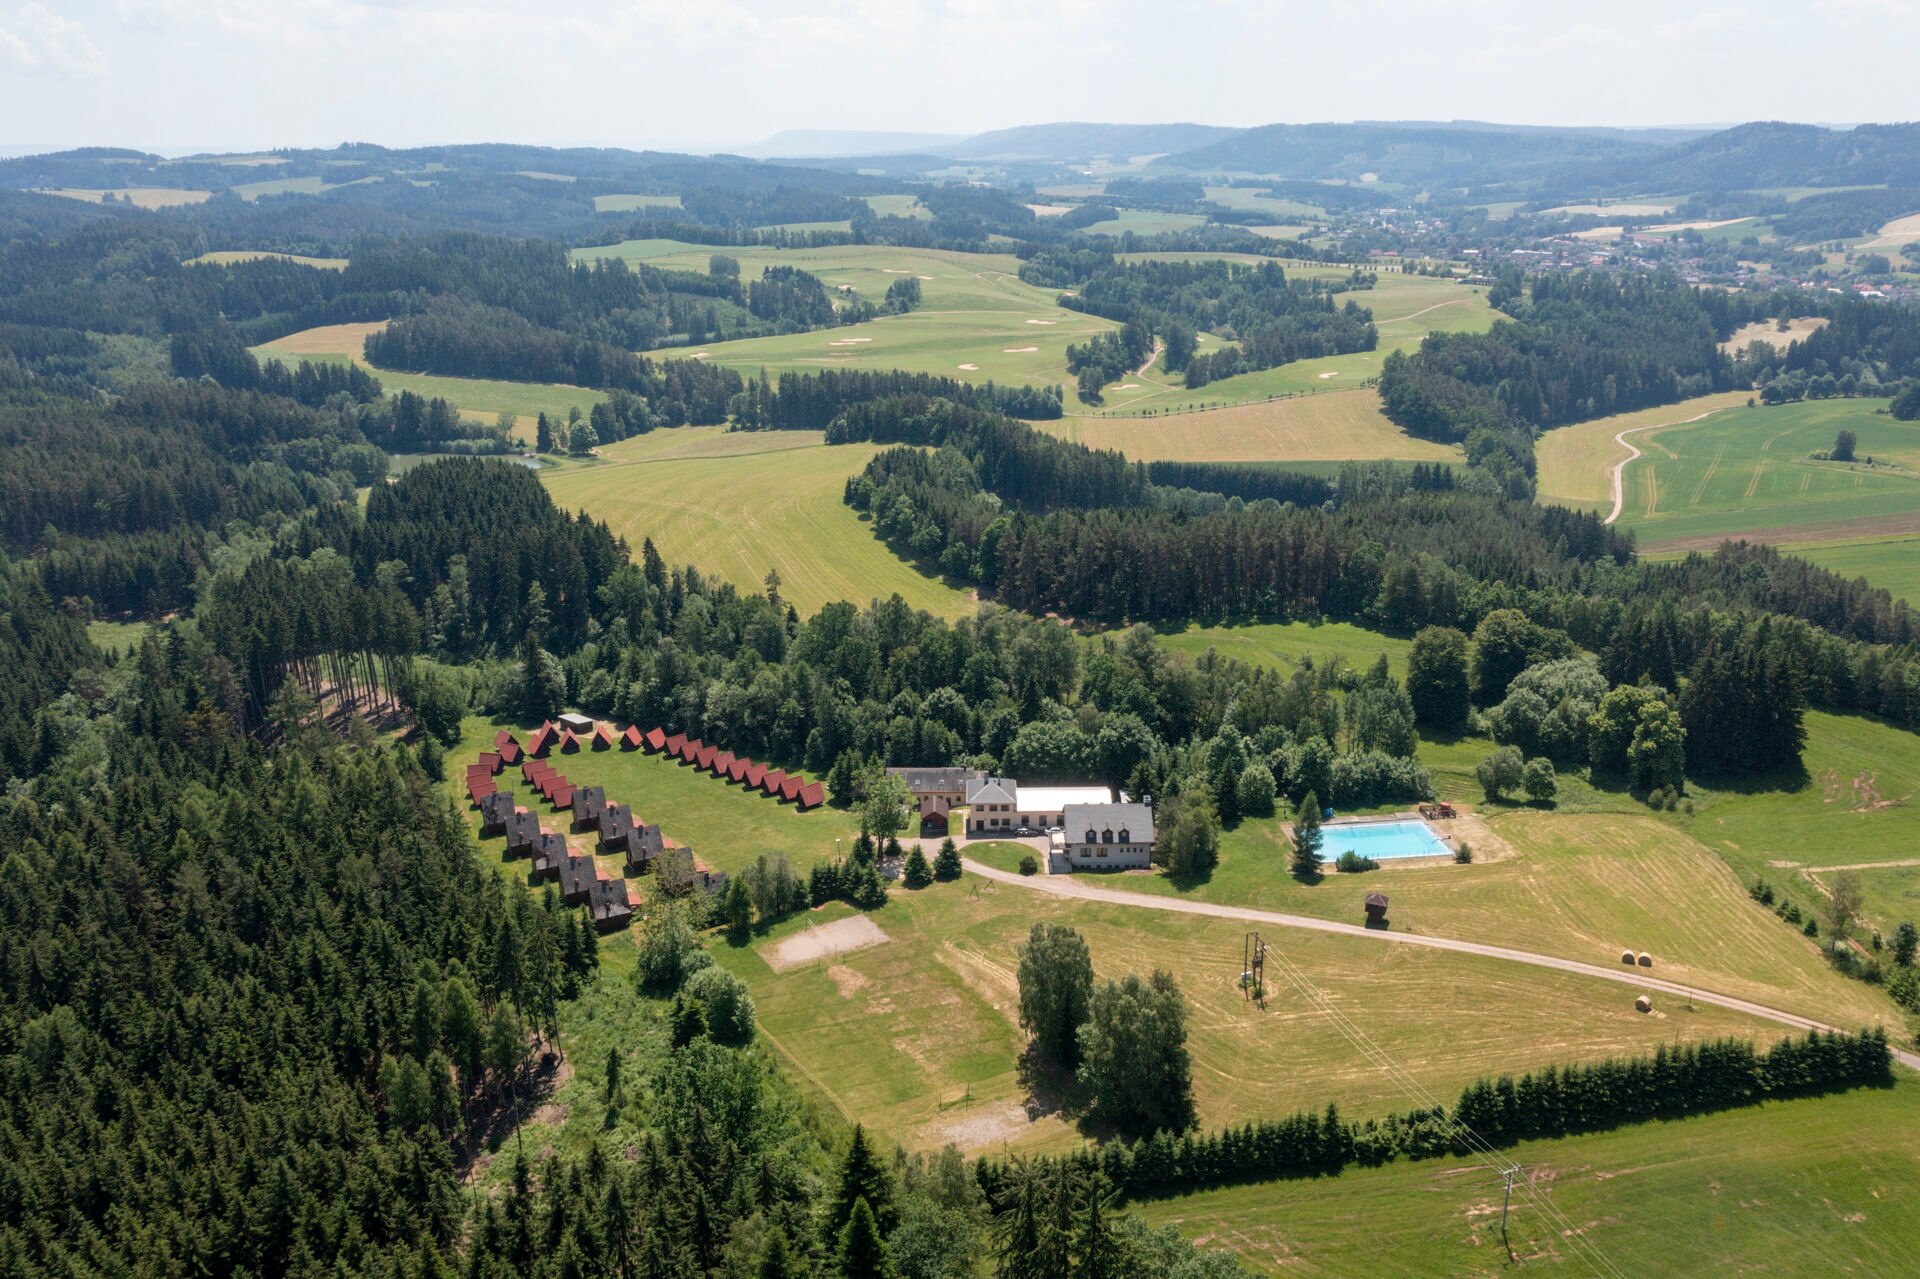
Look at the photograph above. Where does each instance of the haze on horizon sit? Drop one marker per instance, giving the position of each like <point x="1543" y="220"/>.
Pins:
<point x="182" y="75"/>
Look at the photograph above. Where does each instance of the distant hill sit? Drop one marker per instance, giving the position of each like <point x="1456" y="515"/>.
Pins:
<point x="1416" y="154"/>
<point x="1770" y="154"/>
<point x="1076" y="141"/>
<point x="824" y="144"/>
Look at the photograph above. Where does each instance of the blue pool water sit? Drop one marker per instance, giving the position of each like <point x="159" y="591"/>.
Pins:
<point x="1383" y="841"/>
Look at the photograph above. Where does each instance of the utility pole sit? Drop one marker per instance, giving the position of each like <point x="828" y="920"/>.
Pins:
<point x="1508" y="1174"/>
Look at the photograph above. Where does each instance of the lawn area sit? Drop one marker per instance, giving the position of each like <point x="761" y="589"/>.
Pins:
<point x="1576" y="462"/>
<point x="117" y="637"/>
<point x="226" y="257"/>
<point x="1335" y="426"/>
<point x="474" y="396"/>
<point x="1811" y="1187"/>
<point x="917" y="1037"/>
<point x="1283" y="644"/>
<point x="1890" y="895"/>
<point x="642" y="250"/>
<point x="740" y="504"/>
<point x="1747" y="473"/>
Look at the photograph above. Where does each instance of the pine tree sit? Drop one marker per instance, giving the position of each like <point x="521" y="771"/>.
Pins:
<point x="917" y="874"/>
<point x="863" y="1253"/>
<point x="1097" y="1252"/>
<point x="1307" y="837"/>
<point x="863" y="1180"/>
<point x="946" y="865"/>
<point x="778" y="1260"/>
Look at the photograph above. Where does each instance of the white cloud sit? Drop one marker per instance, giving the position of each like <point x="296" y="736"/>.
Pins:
<point x="1699" y="23"/>
<point x="42" y="43"/>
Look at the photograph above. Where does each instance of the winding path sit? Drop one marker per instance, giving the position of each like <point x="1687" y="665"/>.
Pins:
<point x="1634" y="454"/>
<point x="1068" y="886"/>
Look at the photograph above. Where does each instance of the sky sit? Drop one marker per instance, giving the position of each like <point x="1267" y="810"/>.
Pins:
<point x="229" y="75"/>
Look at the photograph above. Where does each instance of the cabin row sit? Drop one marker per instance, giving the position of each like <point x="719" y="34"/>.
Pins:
<point x="788" y="788"/>
<point x="613" y="827"/>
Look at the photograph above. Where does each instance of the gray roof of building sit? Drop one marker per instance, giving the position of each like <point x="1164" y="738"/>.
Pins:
<point x="1136" y="818"/>
<point x="992" y="790"/>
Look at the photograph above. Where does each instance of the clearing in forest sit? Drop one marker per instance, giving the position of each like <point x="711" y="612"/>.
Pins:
<point x="1331" y="427"/>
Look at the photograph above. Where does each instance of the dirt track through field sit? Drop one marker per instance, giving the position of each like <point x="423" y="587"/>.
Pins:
<point x="1068" y="886"/>
<point x="1634" y="454"/>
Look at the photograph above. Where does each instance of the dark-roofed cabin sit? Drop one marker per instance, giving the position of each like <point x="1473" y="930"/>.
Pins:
<point x="550" y="853"/>
<point x="615" y="827"/>
<point x="812" y="795"/>
<point x="1376" y="904"/>
<point x="523" y="833"/>
<point x="578" y="875"/>
<point x="630" y="740"/>
<point x="644" y="845"/>
<point x="611" y="905"/>
<point x="654" y="739"/>
<point x="494" y="811"/>
<point x="588" y="803"/>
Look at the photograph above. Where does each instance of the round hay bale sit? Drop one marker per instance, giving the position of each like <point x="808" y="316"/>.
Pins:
<point x="1646" y="960"/>
<point x="1644" y="1004"/>
<point x="1626" y="957"/>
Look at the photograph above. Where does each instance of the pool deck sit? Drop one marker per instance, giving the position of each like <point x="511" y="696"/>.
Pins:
<point x="1466" y="824"/>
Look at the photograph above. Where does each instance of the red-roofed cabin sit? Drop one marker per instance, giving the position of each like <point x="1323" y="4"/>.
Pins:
<point x="491" y="761"/>
<point x="541" y="742"/>
<point x="790" y="788"/>
<point x="654" y="739"/>
<point x="630" y="740"/>
<point x="504" y="736"/>
<point x="562" y="796"/>
<point x="690" y="750"/>
<point x="534" y="769"/>
<point x="812" y="795"/>
<point x="569" y="744"/>
<point x="703" y="758"/>
<point x="772" y="781"/>
<point x="673" y="744"/>
<point x="550" y="783"/>
<point x="756" y="774"/>
<point x="602" y="738"/>
<point x="737" y="770"/>
<point x="721" y="761"/>
<point x="509" y="753"/>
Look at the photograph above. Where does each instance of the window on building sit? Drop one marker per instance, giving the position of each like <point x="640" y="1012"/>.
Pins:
<point x="1092" y="837"/>
<point x="1124" y="838"/>
<point x="1106" y="837"/>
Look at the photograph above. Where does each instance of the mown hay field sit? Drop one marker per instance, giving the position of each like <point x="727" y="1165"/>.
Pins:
<point x="1337" y="426"/>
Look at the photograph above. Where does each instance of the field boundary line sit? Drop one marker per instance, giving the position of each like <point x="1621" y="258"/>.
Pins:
<point x="1067" y="886"/>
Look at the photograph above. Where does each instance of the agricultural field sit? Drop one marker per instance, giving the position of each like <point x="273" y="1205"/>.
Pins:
<point x="475" y="397"/>
<point x="1895" y="235"/>
<point x="1828" y="1183"/>
<point x="1283" y="644"/>
<point x="1256" y="200"/>
<point x="977" y="321"/>
<point x="633" y="203"/>
<point x="1770" y="332"/>
<point x="898" y="206"/>
<point x="1748" y="474"/>
<point x="226" y="257"/>
<point x="1576" y="462"/>
<point x="1145" y="222"/>
<point x="141" y="197"/>
<point x="640" y="250"/>
<point x="738" y="504"/>
<point x="1336" y="426"/>
<point x="1889" y="562"/>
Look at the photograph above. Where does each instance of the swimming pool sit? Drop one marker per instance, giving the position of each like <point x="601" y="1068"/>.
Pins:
<point x="1383" y="841"/>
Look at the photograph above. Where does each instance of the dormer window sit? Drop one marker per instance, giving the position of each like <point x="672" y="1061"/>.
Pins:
<point x="1124" y="838"/>
<point x="1092" y="837"/>
<point x="1106" y="836"/>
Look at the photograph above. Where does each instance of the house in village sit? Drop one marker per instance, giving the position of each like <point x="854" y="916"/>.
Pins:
<point x="1106" y="836"/>
<point x="578" y="878"/>
<point x="588" y="803"/>
<point x="615" y="827"/>
<point x="644" y="845"/>
<point x="523" y="833"/>
<point x="610" y="904"/>
<point x="495" y="809"/>
<point x="550" y="853"/>
<point x="936" y="792"/>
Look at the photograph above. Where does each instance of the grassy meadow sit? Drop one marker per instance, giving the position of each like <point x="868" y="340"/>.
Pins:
<point x="738" y="504"/>
<point x="1747" y="473"/>
<point x="1821" y="1186"/>
<point x="140" y="197"/>
<point x="918" y="1037"/>
<point x="1576" y="462"/>
<point x="633" y="203"/>
<point x="226" y="257"/>
<point x="1338" y="426"/>
<point x="1890" y="562"/>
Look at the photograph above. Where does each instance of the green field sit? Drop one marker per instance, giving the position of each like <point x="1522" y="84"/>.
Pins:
<point x="1815" y="1187"/>
<point x="633" y="203"/>
<point x="1889" y="562"/>
<point x="1747" y="473"/>
<point x="141" y="197"/>
<point x="1256" y="200"/>
<point x="226" y="257"/>
<point x="1334" y="427"/>
<point x="482" y="397"/>
<point x="898" y="206"/>
<point x="118" y="638"/>
<point x="1283" y="644"/>
<point x="917" y="1037"/>
<point x="1145" y="222"/>
<point x="738" y="504"/>
<point x="1576" y="462"/>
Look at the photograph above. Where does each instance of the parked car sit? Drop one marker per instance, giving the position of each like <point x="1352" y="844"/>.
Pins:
<point x="1025" y="831"/>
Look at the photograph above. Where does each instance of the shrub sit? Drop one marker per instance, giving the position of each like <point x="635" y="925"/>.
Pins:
<point x="1353" y="863"/>
<point x="1813" y="927"/>
<point x="1500" y="772"/>
<point x="1028" y="866"/>
<point x="1538" y="780"/>
<point x="729" y="1007"/>
<point x="1464" y="853"/>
